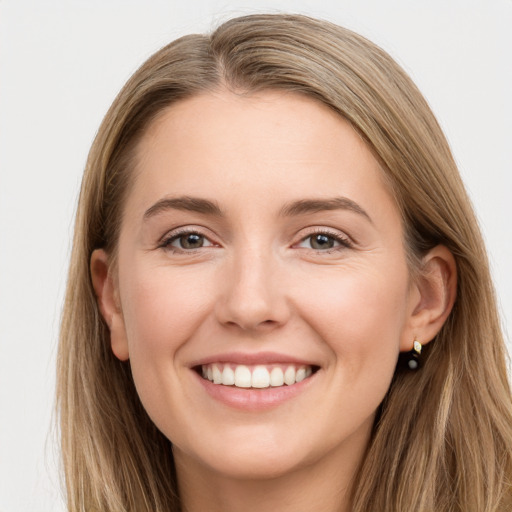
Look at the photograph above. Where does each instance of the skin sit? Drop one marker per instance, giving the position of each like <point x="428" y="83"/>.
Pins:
<point x="259" y="284"/>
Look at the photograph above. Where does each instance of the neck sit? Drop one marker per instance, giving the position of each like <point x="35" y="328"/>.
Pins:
<point x="324" y="485"/>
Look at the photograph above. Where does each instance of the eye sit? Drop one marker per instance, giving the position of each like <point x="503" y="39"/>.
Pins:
<point x="324" y="242"/>
<point x="186" y="241"/>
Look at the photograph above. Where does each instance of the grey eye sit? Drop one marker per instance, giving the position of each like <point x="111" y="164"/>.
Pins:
<point x="189" y="241"/>
<point x="321" y="242"/>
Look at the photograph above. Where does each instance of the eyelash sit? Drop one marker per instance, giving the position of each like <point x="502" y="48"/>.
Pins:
<point x="343" y="241"/>
<point x="176" y="235"/>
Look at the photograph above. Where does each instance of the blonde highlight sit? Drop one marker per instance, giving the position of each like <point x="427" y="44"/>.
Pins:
<point x="444" y="434"/>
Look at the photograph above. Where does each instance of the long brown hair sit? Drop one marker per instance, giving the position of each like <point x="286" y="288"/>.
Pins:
<point x="442" y="440"/>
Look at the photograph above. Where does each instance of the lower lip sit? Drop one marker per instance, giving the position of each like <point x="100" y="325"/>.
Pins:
<point x="251" y="399"/>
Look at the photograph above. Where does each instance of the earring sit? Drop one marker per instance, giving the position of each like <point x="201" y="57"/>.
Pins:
<point x="414" y="356"/>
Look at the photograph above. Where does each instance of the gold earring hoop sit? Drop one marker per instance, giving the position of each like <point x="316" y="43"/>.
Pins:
<point x="414" y="356"/>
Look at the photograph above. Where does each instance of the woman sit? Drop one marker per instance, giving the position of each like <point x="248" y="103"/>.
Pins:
<point x="270" y="216"/>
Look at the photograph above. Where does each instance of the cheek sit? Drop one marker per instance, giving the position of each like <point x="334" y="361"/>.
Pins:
<point x="160" y="308"/>
<point x="162" y="311"/>
<point x="359" y="313"/>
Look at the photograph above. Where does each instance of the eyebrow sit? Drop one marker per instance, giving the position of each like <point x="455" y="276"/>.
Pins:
<point x="304" y="206"/>
<point x="300" y="207"/>
<point x="191" y="204"/>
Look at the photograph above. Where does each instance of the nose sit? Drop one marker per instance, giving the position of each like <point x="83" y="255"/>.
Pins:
<point x="253" y="294"/>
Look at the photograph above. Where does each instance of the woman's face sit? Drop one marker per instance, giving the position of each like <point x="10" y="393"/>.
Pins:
<point x="260" y="246"/>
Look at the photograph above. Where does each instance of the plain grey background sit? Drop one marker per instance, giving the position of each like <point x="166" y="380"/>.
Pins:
<point x="62" y="63"/>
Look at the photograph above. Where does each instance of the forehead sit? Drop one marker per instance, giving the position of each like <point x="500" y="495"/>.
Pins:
<point x="222" y="145"/>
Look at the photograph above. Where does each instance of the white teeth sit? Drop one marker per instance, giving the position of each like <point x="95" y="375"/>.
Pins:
<point x="228" y="376"/>
<point x="217" y="375"/>
<point x="300" y="375"/>
<point x="242" y="377"/>
<point x="289" y="376"/>
<point x="258" y="377"/>
<point x="276" y="377"/>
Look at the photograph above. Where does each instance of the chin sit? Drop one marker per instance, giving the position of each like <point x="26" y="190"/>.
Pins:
<point x="245" y="459"/>
<point x="255" y="466"/>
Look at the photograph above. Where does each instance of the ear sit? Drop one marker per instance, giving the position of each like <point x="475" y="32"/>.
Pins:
<point x="432" y="296"/>
<point x="108" y="301"/>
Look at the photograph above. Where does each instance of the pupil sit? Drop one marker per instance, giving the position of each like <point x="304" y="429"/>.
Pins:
<point x="191" y="241"/>
<point x="322" y="242"/>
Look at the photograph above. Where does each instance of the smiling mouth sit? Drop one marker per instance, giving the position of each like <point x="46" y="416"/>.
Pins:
<point x="255" y="376"/>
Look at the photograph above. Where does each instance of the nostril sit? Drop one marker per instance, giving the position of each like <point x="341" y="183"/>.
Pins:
<point x="248" y="325"/>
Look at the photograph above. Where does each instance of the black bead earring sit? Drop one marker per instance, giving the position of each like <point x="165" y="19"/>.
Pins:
<point x="414" y="356"/>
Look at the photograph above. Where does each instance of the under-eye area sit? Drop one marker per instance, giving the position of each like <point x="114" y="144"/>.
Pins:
<point x="255" y="376"/>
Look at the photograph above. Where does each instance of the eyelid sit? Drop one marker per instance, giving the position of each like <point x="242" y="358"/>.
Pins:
<point x="176" y="238"/>
<point x="342" y="238"/>
<point x="165" y="241"/>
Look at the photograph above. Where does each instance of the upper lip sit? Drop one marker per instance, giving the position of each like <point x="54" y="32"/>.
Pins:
<point x="252" y="359"/>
